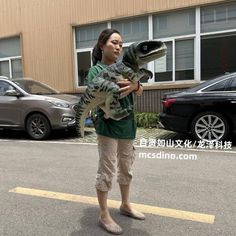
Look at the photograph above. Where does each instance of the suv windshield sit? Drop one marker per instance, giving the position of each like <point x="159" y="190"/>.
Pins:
<point x="34" y="87"/>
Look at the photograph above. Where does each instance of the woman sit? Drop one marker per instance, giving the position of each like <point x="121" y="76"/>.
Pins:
<point x="115" y="138"/>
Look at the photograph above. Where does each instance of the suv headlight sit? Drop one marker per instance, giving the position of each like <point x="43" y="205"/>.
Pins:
<point x="60" y="104"/>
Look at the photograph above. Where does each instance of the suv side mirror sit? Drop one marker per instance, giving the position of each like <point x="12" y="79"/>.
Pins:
<point x="12" y="92"/>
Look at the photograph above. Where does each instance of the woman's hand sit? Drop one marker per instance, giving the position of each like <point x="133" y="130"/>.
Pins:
<point x="127" y="87"/>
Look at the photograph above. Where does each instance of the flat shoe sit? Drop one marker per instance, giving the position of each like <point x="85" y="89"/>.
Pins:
<point x="137" y="216"/>
<point x="110" y="228"/>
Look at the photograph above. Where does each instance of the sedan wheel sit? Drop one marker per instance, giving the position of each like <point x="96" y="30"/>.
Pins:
<point x="38" y="127"/>
<point x="210" y="127"/>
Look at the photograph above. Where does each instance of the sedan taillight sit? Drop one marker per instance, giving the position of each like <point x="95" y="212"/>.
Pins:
<point x="168" y="102"/>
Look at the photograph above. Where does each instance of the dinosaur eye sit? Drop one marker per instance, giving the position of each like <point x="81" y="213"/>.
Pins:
<point x="145" y="48"/>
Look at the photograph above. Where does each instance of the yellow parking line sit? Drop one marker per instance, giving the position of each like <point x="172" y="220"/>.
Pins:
<point x="184" y="215"/>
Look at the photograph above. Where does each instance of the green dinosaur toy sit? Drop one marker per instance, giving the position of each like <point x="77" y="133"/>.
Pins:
<point x="104" y="91"/>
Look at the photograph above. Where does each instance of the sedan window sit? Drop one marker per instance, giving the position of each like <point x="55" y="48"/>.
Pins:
<point x="4" y="86"/>
<point x="232" y="86"/>
<point x="34" y="87"/>
<point x="220" y="86"/>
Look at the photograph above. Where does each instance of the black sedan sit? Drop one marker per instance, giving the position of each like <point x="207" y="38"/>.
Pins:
<point x="208" y="110"/>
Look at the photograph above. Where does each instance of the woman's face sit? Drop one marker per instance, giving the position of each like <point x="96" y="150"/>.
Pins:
<point x="112" y="49"/>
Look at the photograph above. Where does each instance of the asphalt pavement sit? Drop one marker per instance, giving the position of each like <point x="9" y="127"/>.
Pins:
<point x="47" y="188"/>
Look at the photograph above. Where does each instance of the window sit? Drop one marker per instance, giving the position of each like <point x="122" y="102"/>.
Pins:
<point x="162" y="22"/>
<point x="184" y="60"/>
<point x="174" y="24"/>
<point x="132" y="30"/>
<point x="163" y="66"/>
<point x="218" y="17"/>
<point x="4" y="68"/>
<point x="86" y="36"/>
<point x="178" y="64"/>
<point x="232" y="86"/>
<point x="207" y="16"/>
<point x="4" y="86"/>
<point x="16" y="68"/>
<point x="221" y="15"/>
<point x="177" y="28"/>
<point x="220" y="86"/>
<point x="84" y="64"/>
<point x="10" y="47"/>
<point x="217" y="55"/>
<point x="10" y="57"/>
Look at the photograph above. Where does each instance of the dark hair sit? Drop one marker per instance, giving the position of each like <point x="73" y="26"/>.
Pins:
<point x="102" y="39"/>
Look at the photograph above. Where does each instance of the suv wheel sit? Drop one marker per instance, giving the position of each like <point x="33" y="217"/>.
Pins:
<point x="210" y="127"/>
<point x="38" y="127"/>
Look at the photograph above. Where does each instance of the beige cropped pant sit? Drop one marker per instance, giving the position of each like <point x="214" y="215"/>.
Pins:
<point x="115" y="155"/>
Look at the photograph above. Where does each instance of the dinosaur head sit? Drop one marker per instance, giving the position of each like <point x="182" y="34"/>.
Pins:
<point x="140" y="53"/>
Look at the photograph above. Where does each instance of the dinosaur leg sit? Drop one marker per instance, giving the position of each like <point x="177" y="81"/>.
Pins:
<point x="114" y="109"/>
<point x="142" y="74"/>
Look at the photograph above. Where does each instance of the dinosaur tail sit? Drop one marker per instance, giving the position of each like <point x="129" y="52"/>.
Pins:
<point x="83" y="108"/>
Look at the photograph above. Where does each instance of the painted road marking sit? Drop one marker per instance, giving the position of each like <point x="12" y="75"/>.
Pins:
<point x="167" y="212"/>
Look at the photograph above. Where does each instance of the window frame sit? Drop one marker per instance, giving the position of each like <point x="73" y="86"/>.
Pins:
<point x="173" y="41"/>
<point x="9" y="60"/>
<point x="195" y="36"/>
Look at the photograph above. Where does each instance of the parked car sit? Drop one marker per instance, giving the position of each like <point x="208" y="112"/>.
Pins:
<point x="32" y="106"/>
<point x="208" y="110"/>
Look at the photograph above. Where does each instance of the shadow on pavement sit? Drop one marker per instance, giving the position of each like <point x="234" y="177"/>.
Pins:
<point x="13" y="134"/>
<point x="89" y="224"/>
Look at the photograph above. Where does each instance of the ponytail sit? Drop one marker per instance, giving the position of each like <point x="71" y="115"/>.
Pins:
<point x="96" y="54"/>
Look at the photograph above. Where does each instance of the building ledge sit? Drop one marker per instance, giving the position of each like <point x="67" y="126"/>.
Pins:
<point x="170" y="85"/>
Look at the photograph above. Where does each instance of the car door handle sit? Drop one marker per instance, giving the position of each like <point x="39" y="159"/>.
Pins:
<point x="233" y="102"/>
